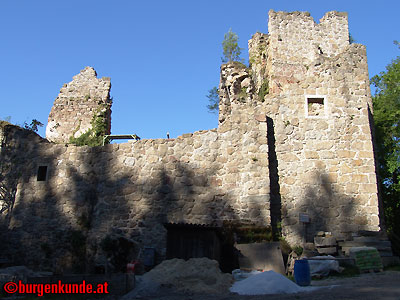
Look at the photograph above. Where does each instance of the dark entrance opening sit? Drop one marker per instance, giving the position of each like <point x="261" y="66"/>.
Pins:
<point x="191" y="240"/>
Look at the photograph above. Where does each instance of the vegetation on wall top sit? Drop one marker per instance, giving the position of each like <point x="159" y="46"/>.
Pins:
<point x="95" y="135"/>
<point x="230" y="47"/>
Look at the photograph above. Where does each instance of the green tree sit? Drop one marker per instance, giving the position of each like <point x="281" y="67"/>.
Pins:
<point x="213" y="99"/>
<point x="386" y="103"/>
<point x="230" y="47"/>
<point x="34" y="125"/>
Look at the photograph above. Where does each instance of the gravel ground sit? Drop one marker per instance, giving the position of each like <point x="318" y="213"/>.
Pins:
<point x="383" y="285"/>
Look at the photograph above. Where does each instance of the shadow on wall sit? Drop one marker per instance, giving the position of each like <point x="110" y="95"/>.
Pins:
<point x="374" y="147"/>
<point x="179" y="194"/>
<point x="328" y="209"/>
<point x="134" y="206"/>
<point x="276" y="200"/>
<point x="50" y="222"/>
<point x="24" y="151"/>
<point x="91" y="215"/>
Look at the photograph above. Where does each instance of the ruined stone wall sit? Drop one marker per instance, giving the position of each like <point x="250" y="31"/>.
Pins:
<point x="132" y="189"/>
<point x="324" y="151"/>
<point x="78" y="104"/>
<point x="293" y="137"/>
<point x="306" y="38"/>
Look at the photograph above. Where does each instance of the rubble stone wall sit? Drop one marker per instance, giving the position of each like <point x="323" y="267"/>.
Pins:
<point x="132" y="189"/>
<point x="294" y="137"/>
<point x="79" y="102"/>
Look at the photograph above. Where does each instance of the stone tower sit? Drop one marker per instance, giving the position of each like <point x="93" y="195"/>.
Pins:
<point x="311" y="87"/>
<point x="79" y="103"/>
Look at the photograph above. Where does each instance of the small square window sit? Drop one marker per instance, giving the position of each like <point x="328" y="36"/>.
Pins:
<point x="315" y="106"/>
<point x="42" y="173"/>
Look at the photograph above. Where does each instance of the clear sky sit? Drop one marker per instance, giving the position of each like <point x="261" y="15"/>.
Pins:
<point x="162" y="56"/>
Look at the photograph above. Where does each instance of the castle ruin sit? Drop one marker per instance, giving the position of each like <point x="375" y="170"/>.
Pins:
<point x="294" y="138"/>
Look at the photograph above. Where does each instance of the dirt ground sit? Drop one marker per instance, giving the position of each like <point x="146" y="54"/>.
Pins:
<point x="383" y="285"/>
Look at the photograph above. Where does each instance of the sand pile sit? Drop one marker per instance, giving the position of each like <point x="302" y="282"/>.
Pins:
<point x="267" y="282"/>
<point x="196" y="275"/>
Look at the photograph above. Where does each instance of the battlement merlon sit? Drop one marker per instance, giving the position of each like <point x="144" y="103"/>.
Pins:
<point x="296" y="36"/>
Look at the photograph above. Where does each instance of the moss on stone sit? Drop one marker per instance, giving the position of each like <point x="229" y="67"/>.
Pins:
<point x="264" y="90"/>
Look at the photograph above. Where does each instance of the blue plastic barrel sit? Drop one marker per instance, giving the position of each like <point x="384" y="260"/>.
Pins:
<point x="302" y="272"/>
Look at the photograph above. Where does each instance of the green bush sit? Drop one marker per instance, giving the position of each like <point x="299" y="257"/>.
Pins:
<point x="95" y="135"/>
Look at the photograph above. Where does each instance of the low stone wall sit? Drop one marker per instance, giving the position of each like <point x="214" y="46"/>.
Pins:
<point x="131" y="190"/>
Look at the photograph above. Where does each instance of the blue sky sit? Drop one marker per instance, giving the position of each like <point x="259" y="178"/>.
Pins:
<point x="162" y="56"/>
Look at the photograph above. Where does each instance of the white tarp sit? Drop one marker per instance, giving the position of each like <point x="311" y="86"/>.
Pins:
<point x="322" y="265"/>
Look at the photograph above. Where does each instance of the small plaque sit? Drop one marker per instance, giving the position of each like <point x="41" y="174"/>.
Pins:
<point x="304" y="218"/>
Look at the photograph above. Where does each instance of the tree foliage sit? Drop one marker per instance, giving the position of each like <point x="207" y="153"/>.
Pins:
<point x="386" y="103"/>
<point x="230" y="47"/>
<point x="231" y="52"/>
<point x="213" y="99"/>
<point x="34" y="125"/>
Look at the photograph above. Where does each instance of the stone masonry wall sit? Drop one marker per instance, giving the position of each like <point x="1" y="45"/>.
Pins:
<point x="132" y="189"/>
<point x="78" y="103"/>
<point x="325" y="158"/>
<point x="294" y="137"/>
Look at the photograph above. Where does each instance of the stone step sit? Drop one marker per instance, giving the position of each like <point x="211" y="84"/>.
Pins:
<point x="386" y="251"/>
<point x="369" y="239"/>
<point x="375" y="244"/>
<point x="328" y="250"/>
<point x="365" y="233"/>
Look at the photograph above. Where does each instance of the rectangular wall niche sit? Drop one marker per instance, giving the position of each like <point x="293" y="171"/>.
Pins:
<point x="42" y="173"/>
<point x="315" y="106"/>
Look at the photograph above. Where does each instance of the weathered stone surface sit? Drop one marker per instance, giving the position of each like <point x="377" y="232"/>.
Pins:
<point x="273" y="155"/>
<point x="324" y="241"/>
<point x="328" y="250"/>
<point x="79" y="101"/>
